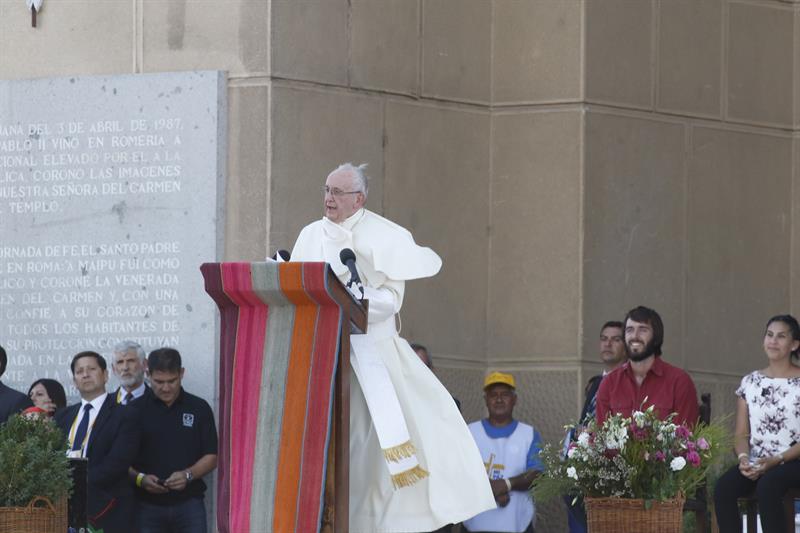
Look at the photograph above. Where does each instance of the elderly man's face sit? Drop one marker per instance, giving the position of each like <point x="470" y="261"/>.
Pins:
<point x="129" y="369"/>
<point x="341" y="200"/>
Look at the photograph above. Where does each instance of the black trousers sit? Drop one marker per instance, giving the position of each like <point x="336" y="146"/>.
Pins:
<point x="769" y="491"/>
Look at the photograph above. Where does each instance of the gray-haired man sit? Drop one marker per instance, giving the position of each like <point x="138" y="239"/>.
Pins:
<point x="129" y="364"/>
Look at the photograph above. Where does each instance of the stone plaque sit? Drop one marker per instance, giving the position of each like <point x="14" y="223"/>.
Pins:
<point x="111" y="194"/>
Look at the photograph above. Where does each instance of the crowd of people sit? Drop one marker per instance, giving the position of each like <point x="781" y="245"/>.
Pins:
<point x="766" y="435"/>
<point x="148" y="446"/>
<point x="415" y="464"/>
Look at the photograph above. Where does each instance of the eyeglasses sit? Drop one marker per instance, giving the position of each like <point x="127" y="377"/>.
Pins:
<point x="337" y="192"/>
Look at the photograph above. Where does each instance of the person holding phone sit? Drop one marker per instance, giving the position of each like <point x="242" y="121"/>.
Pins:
<point x="179" y="447"/>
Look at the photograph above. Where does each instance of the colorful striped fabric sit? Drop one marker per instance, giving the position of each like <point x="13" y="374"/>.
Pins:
<point x="280" y="335"/>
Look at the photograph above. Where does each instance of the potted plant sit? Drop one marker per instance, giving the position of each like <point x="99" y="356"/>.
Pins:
<point x="34" y="475"/>
<point x="633" y="472"/>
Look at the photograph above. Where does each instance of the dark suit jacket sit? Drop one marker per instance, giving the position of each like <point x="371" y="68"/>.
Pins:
<point x="113" y="445"/>
<point x="147" y="392"/>
<point x="12" y="402"/>
<point x="591" y="392"/>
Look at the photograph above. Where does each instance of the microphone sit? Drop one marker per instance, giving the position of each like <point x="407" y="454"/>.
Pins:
<point x="283" y="254"/>
<point x="348" y="258"/>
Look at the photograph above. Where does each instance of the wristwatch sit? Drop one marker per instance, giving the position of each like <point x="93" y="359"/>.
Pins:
<point x="189" y="476"/>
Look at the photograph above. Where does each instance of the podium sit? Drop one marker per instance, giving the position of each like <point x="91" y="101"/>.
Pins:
<point x="284" y="395"/>
<point x="78" y="500"/>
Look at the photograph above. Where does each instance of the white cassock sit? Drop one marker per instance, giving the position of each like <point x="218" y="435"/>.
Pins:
<point x="442" y="477"/>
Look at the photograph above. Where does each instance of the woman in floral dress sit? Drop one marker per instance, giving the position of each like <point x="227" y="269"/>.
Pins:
<point x="767" y="433"/>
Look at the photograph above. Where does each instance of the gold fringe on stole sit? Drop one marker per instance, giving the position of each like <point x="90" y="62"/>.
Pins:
<point x="409" y="477"/>
<point x="402" y="451"/>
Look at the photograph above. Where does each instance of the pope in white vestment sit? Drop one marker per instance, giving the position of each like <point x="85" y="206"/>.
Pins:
<point x="414" y="466"/>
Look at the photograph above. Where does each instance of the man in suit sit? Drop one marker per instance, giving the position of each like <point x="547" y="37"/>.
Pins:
<point x="11" y="401"/>
<point x="129" y="365"/>
<point x="613" y="354"/>
<point x="108" y="435"/>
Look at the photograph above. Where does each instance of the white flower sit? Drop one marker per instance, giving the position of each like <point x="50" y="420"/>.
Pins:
<point x="677" y="464"/>
<point x="583" y="439"/>
<point x="571" y="452"/>
<point x="616" y="438"/>
<point x="571" y="472"/>
<point x="640" y="418"/>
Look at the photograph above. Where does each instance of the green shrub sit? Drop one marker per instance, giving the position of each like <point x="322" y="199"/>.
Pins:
<point x="33" y="461"/>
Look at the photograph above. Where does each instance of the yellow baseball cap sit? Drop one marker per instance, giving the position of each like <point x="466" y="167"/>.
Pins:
<point x="499" y="377"/>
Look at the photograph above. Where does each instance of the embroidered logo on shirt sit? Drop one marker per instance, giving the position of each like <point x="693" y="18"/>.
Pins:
<point x="188" y="420"/>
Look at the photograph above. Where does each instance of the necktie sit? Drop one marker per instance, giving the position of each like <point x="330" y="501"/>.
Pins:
<point x="83" y="427"/>
<point x="591" y="410"/>
<point x="587" y="413"/>
<point x="128" y="398"/>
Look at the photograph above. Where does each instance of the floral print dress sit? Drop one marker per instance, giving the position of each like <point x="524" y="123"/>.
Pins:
<point x="773" y="406"/>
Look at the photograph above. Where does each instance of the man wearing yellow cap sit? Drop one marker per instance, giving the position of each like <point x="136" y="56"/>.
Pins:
<point x="510" y="451"/>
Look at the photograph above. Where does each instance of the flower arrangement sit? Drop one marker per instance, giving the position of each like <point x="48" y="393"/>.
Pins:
<point x="640" y="456"/>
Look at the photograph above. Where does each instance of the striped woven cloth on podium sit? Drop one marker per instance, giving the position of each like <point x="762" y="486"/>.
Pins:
<point x="278" y="344"/>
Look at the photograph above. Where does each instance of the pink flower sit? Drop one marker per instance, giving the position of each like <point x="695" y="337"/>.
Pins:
<point x="682" y="432"/>
<point x="660" y="456"/>
<point x="703" y="444"/>
<point x="693" y="458"/>
<point x="691" y="446"/>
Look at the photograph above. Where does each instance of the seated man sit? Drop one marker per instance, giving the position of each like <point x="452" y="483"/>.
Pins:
<point x="510" y="451"/>
<point x="645" y="379"/>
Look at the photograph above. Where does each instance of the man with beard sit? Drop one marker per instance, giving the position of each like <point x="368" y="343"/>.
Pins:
<point x="645" y="379"/>
<point x="129" y="364"/>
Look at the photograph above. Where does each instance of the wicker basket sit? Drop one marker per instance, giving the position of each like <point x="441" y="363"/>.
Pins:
<point x="39" y="516"/>
<point x="621" y="515"/>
